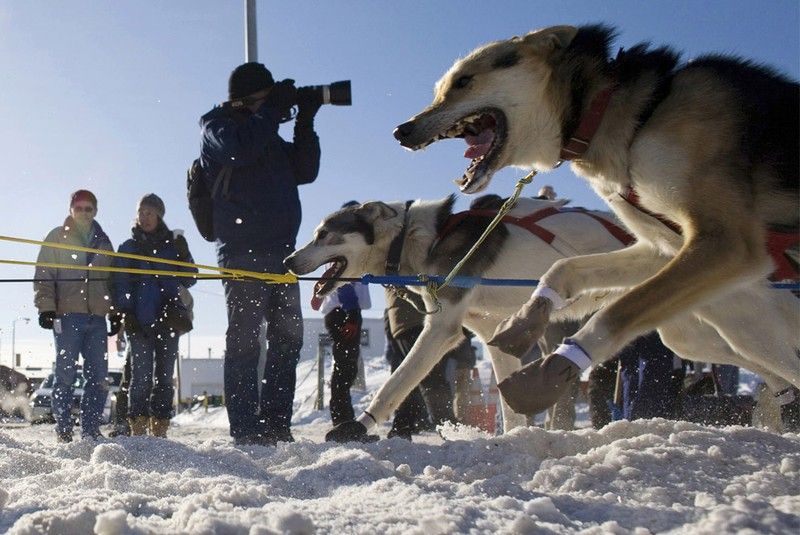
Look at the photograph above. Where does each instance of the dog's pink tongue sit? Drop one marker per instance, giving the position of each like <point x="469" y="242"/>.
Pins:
<point x="316" y="301"/>
<point x="479" y="145"/>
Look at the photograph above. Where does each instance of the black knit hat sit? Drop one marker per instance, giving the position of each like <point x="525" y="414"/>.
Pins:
<point x="247" y="79"/>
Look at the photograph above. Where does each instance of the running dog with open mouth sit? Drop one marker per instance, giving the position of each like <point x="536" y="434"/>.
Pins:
<point x="699" y="161"/>
<point x="425" y="237"/>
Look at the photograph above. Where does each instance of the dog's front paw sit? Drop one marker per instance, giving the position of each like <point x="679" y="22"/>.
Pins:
<point x="538" y="385"/>
<point x="351" y="431"/>
<point x="518" y="334"/>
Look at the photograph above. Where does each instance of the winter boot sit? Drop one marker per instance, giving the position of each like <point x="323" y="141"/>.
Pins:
<point x="121" y="429"/>
<point x="63" y="437"/>
<point x="538" y="385"/>
<point x="159" y="426"/>
<point x="138" y="425"/>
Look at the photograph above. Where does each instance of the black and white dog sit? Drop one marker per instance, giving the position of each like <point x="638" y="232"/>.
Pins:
<point x="429" y="239"/>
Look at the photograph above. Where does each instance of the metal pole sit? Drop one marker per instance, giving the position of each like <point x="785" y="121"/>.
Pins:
<point x="250" y="46"/>
<point x="14" y="339"/>
<point x="178" y="363"/>
<point x="320" y="404"/>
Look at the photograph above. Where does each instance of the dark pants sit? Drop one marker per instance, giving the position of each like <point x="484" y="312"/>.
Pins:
<point x="346" y="352"/>
<point x="153" y="355"/>
<point x="433" y="392"/>
<point x="602" y="382"/>
<point x="121" y="408"/>
<point x="649" y="385"/>
<point x="250" y="303"/>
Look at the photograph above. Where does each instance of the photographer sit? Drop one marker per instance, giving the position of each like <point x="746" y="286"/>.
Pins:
<point x="256" y="214"/>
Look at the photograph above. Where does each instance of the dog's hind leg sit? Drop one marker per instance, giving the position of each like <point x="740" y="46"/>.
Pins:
<point x="693" y="339"/>
<point x="761" y="324"/>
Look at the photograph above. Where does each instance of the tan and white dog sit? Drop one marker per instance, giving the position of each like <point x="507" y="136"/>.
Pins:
<point x="700" y="161"/>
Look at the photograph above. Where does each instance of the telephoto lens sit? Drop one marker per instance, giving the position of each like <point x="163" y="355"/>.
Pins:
<point x="337" y="93"/>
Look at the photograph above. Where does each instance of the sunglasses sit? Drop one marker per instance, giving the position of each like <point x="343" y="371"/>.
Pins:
<point x="79" y="208"/>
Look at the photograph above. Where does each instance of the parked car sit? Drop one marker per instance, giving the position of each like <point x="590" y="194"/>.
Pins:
<point x="41" y="401"/>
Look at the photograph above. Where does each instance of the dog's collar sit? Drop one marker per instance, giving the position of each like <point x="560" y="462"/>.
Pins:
<point x="396" y="247"/>
<point x="578" y="143"/>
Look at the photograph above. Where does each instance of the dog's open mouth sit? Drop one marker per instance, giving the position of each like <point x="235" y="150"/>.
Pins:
<point x="485" y="134"/>
<point x="326" y="283"/>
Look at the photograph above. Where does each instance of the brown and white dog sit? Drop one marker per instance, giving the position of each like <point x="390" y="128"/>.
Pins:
<point x="700" y="161"/>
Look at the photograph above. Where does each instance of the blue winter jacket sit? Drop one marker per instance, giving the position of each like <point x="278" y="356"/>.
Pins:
<point x="146" y="295"/>
<point x="260" y="211"/>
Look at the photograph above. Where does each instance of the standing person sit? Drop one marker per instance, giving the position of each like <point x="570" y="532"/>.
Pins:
<point x="142" y="298"/>
<point x="256" y="218"/>
<point x="342" y="311"/>
<point x="74" y="303"/>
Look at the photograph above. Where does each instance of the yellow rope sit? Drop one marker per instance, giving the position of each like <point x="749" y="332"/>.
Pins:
<point x="276" y="278"/>
<point x="432" y="287"/>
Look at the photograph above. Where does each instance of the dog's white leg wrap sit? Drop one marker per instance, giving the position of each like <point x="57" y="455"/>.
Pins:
<point x="548" y="293"/>
<point x="367" y="420"/>
<point x="575" y="353"/>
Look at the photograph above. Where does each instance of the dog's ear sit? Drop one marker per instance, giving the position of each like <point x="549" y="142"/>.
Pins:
<point x="549" y="39"/>
<point x="376" y="210"/>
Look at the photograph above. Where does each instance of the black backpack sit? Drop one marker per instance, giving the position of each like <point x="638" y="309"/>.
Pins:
<point x="201" y="202"/>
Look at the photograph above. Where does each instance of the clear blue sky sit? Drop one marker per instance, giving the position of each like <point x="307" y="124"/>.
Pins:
<point x="106" y="96"/>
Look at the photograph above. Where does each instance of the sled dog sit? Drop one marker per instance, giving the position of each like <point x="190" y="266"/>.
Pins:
<point x="699" y="161"/>
<point x="430" y="239"/>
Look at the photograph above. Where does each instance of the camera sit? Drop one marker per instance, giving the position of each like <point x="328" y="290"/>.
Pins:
<point x="337" y="93"/>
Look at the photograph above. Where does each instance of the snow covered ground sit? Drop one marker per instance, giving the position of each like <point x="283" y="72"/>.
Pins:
<point x="630" y="477"/>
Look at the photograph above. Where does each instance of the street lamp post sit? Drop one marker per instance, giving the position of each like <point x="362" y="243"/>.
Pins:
<point x="14" y="340"/>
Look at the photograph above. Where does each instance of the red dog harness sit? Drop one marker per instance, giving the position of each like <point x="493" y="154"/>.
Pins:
<point x="778" y="241"/>
<point x="530" y="223"/>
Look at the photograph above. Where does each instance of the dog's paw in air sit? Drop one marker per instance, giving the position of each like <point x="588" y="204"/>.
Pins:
<point x="538" y="385"/>
<point x="517" y="334"/>
<point x="351" y="431"/>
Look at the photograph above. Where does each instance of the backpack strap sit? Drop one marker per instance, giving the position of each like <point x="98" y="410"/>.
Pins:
<point x="223" y="180"/>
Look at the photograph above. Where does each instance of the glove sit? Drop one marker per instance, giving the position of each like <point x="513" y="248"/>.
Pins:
<point x="131" y="323"/>
<point x="182" y="248"/>
<point x="282" y="96"/>
<point x="350" y="329"/>
<point x="351" y="431"/>
<point x="115" y="323"/>
<point x="308" y="102"/>
<point x="46" y="319"/>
